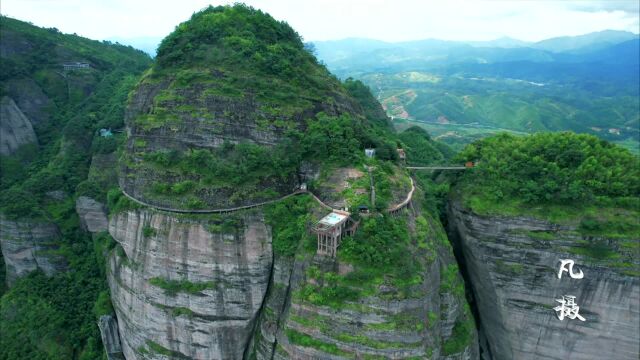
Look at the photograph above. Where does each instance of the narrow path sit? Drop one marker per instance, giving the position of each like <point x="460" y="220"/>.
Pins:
<point x="436" y="167"/>
<point x="220" y="211"/>
<point x="297" y="192"/>
<point x="406" y="201"/>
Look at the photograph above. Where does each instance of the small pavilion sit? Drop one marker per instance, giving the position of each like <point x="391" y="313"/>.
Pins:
<point x="330" y="230"/>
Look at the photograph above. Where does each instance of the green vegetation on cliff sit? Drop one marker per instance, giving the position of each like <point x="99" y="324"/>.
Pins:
<point x="261" y="105"/>
<point x="80" y="103"/>
<point x="555" y="168"/>
<point x="173" y="287"/>
<point x="564" y="178"/>
<point x="421" y="150"/>
<point x="56" y="317"/>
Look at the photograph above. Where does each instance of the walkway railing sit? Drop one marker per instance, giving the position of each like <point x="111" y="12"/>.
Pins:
<point x="406" y="202"/>
<point x="218" y="211"/>
<point x="245" y="207"/>
<point x="437" y="167"/>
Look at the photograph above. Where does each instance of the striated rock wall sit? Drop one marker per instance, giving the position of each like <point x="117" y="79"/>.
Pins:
<point x="513" y="273"/>
<point x="93" y="214"/>
<point x="110" y="338"/>
<point x="15" y="129"/>
<point x="188" y="288"/>
<point x="383" y="325"/>
<point x="182" y="116"/>
<point x="28" y="246"/>
<point x="263" y="342"/>
<point x="31" y="100"/>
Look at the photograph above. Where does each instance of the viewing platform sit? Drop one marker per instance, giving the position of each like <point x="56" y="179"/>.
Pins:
<point x="330" y="230"/>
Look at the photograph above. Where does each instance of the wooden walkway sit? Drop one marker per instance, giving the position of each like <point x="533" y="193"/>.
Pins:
<point x="245" y="207"/>
<point x="395" y="209"/>
<point x="221" y="211"/>
<point x="437" y="167"/>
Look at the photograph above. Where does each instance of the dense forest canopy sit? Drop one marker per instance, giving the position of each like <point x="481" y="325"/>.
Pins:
<point x="552" y="168"/>
<point x="247" y="40"/>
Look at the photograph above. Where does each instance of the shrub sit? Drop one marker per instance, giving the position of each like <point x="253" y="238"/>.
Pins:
<point x="148" y="231"/>
<point x="172" y="287"/>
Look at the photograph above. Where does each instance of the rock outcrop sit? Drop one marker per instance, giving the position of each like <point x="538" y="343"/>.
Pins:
<point x="212" y="121"/>
<point x="389" y="322"/>
<point x="15" y="129"/>
<point x="110" y="338"/>
<point x="188" y="288"/>
<point x="30" y="98"/>
<point x="103" y="175"/>
<point x="203" y="133"/>
<point x="28" y="246"/>
<point x="93" y="214"/>
<point x="513" y="265"/>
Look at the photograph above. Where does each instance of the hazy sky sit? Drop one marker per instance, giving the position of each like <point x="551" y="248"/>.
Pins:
<point x="391" y="20"/>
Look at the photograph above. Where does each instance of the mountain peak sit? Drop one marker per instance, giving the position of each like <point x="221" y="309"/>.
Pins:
<point x="239" y="29"/>
<point x="587" y="42"/>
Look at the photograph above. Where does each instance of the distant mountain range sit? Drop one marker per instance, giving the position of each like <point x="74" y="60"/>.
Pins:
<point x="587" y="83"/>
<point x="354" y="54"/>
<point x="336" y="49"/>
<point x="585" y="43"/>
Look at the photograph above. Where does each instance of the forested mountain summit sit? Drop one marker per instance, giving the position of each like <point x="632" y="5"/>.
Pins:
<point x="190" y="210"/>
<point x="572" y="179"/>
<point x="239" y="93"/>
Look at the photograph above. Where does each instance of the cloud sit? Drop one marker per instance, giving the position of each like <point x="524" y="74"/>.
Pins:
<point x="390" y="20"/>
<point x="632" y="7"/>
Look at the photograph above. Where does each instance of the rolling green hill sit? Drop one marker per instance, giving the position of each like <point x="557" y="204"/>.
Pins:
<point x="451" y="107"/>
<point x="457" y="91"/>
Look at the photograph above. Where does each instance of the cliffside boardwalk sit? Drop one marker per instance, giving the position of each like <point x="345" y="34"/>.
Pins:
<point x="221" y="211"/>
<point x="467" y="165"/>
<point x="437" y="167"/>
<point x="395" y="210"/>
<point x="330" y="229"/>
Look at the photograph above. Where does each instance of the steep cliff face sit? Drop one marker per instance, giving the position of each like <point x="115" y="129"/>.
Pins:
<point x="110" y="337"/>
<point x="513" y="264"/>
<point x="28" y="246"/>
<point x="188" y="288"/>
<point x="30" y="98"/>
<point x="324" y="308"/>
<point x="93" y="214"/>
<point x="212" y="127"/>
<point x="16" y="129"/>
<point x="194" y="110"/>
